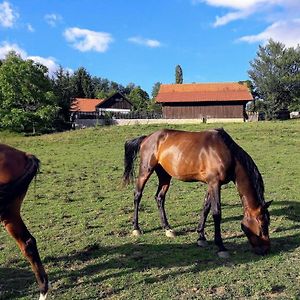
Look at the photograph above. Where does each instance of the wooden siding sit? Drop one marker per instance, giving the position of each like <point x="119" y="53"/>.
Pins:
<point x="116" y="101"/>
<point x="203" y="110"/>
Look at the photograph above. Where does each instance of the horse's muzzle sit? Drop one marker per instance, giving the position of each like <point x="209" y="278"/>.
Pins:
<point x="261" y="250"/>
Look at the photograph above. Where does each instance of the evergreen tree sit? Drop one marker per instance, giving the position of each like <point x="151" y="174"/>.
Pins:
<point x="82" y="84"/>
<point x="178" y="75"/>
<point x="155" y="89"/>
<point x="62" y="88"/>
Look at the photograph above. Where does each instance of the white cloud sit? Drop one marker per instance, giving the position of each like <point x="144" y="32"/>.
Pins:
<point x="145" y="42"/>
<point x="238" y="4"/>
<point x="6" y="47"/>
<point x="53" y="19"/>
<point x="282" y="16"/>
<point x="232" y="16"/>
<point x="8" y="16"/>
<point x="30" y="28"/>
<point x="49" y="62"/>
<point x="244" y="8"/>
<point x="87" y="40"/>
<point x="287" y="32"/>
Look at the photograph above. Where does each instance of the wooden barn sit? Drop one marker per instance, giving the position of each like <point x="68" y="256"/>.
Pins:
<point x="204" y="100"/>
<point x="115" y="103"/>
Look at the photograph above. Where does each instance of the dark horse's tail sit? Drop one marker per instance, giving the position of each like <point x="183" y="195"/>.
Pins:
<point x="11" y="190"/>
<point x="132" y="148"/>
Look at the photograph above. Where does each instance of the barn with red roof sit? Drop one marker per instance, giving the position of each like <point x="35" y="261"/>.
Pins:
<point x="115" y="103"/>
<point x="204" y="100"/>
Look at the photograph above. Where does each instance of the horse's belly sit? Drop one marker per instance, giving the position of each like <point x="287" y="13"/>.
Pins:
<point x="183" y="172"/>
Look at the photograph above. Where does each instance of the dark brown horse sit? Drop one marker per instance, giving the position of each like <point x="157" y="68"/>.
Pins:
<point x="17" y="169"/>
<point x="211" y="157"/>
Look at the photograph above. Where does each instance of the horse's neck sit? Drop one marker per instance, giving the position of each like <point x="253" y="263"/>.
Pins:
<point x="245" y="188"/>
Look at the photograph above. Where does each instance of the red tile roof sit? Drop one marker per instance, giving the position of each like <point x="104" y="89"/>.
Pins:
<point x="201" y="92"/>
<point x="85" y="104"/>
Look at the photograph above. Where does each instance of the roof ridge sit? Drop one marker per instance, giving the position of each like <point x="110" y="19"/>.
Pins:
<point x="210" y="82"/>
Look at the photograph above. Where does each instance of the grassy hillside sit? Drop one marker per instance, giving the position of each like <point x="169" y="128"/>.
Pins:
<point x="81" y="217"/>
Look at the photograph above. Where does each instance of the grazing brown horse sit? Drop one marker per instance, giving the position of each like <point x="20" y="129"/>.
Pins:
<point x="17" y="169"/>
<point x="211" y="157"/>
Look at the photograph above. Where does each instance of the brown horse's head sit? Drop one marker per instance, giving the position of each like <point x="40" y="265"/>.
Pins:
<point x="256" y="228"/>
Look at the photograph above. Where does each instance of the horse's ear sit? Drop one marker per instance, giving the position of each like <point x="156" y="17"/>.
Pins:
<point x="267" y="204"/>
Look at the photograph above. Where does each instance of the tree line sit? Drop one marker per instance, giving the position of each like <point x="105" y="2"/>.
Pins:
<point x="31" y="100"/>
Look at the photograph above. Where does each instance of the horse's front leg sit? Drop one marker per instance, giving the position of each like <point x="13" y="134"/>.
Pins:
<point x="203" y="216"/>
<point x="214" y="191"/>
<point x="27" y="244"/>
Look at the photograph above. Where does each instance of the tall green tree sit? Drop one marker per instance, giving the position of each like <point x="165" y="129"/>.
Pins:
<point x="155" y="89"/>
<point x="139" y="98"/>
<point x="178" y="75"/>
<point x="62" y="88"/>
<point x="82" y="84"/>
<point x="128" y="88"/>
<point x="275" y="75"/>
<point x="104" y="88"/>
<point x="27" y="102"/>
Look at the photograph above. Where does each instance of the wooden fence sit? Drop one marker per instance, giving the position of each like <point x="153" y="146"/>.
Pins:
<point x="118" y="115"/>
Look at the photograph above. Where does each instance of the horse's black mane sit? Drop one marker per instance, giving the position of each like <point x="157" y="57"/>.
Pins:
<point x="15" y="188"/>
<point x="247" y="162"/>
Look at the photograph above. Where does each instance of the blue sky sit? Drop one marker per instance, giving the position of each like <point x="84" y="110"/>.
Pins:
<point x="141" y="42"/>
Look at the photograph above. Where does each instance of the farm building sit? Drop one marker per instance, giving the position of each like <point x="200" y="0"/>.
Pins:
<point x="115" y="103"/>
<point x="204" y="100"/>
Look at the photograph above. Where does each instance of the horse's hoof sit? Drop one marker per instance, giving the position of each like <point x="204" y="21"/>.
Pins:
<point x="202" y="243"/>
<point x="44" y="296"/>
<point x="136" y="232"/>
<point x="223" y="254"/>
<point x="170" y="233"/>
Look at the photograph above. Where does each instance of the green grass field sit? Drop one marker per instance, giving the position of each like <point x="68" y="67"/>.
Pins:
<point x="81" y="217"/>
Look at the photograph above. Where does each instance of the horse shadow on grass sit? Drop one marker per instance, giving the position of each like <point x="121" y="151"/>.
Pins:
<point x="138" y="257"/>
<point x="97" y="263"/>
<point x="289" y="209"/>
<point x="130" y="258"/>
<point x="15" y="282"/>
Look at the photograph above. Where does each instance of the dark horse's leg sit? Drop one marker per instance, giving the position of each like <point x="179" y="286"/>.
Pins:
<point x="163" y="186"/>
<point x="144" y="174"/>
<point x="203" y="216"/>
<point x="214" y="191"/>
<point x="15" y="226"/>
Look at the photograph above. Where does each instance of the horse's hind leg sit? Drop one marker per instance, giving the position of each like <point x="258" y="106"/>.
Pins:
<point x="144" y="174"/>
<point x="203" y="216"/>
<point x="163" y="186"/>
<point x="15" y="226"/>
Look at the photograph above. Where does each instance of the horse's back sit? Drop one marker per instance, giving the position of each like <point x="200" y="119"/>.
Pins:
<point x="190" y="142"/>
<point x="190" y="156"/>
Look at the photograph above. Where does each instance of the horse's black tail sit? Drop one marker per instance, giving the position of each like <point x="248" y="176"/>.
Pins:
<point x="31" y="171"/>
<point x="11" y="190"/>
<point x="132" y="148"/>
